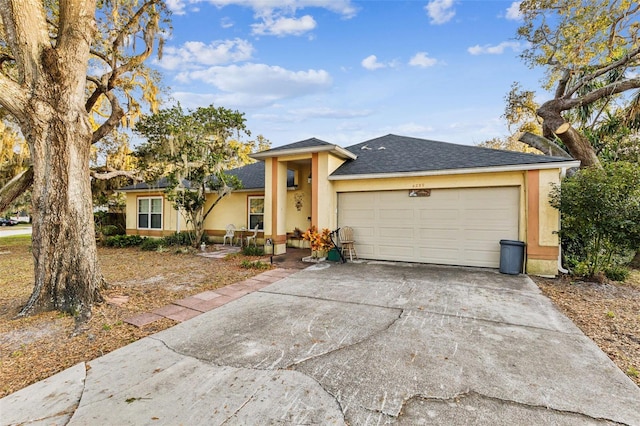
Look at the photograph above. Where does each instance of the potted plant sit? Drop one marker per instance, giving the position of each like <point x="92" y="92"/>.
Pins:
<point x="320" y="243"/>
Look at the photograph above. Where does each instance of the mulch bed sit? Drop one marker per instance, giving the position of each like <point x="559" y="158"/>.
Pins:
<point x="608" y="313"/>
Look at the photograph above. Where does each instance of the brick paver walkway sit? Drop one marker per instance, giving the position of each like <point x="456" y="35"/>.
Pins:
<point x="189" y="307"/>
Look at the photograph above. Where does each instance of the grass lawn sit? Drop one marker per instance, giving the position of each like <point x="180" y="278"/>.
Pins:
<point x="37" y="347"/>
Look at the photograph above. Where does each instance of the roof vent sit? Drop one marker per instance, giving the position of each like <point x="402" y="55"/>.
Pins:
<point x="365" y="147"/>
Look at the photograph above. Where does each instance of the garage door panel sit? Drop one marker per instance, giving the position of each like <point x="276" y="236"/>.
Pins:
<point x="359" y="215"/>
<point x="428" y="234"/>
<point x="396" y="214"/>
<point x="439" y="255"/>
<point x="365" y="232"/>
<point x="359" y="199"/>
<point x="481" y="246"/>
<point x="480" y="257"/>
<point x="451" y="226"/>
<point x="395" y="251"/>
<point x="396" y="232"/>
<point x="365" y="250"/>
<point x="436" y="215"/>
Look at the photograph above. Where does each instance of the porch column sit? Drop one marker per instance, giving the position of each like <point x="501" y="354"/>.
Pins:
<point x="275" y="204"/>
<point x="315" y="179"/>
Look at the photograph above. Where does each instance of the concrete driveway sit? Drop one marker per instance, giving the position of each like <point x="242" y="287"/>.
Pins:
<point x="357" y="344"/>
<point x="9" y="231"/>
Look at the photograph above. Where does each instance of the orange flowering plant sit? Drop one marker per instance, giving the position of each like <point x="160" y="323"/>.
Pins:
<point x="320" y="241"/>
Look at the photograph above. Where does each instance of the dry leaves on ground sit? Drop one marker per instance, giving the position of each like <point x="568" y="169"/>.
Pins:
<point x="607" y="313"/>
<point x="34" y="348"/>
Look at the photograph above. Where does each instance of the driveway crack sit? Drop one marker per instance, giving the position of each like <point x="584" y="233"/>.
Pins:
<point x="461" y="396"/>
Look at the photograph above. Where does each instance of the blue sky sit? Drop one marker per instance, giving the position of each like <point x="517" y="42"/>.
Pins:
<point x="347" y="71"/>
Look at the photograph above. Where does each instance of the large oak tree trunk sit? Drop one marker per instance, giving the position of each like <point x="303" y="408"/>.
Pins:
<point x="67" y="275"/>
<point x="55" y="123"/>
<point x="555" y="125"/>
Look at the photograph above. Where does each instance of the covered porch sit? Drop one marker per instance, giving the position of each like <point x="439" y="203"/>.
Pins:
<point x="311" y="201"/>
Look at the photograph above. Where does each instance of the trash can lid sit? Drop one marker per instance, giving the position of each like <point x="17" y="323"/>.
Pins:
<point x="511" y="243"/>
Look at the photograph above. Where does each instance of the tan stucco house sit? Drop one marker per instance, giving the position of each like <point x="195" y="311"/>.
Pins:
<point x="407" y="199"/>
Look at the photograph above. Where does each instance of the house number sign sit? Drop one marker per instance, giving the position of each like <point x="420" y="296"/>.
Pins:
<point x="419" y="193"/>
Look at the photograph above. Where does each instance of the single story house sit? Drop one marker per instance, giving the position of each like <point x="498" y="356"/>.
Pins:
<point x="407" y="199"/>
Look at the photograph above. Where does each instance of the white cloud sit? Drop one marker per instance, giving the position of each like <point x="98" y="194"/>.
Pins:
<point x="226" y="22"/>
<point x="258" y="84"/>
<point x="176" y="6"/>
<point x="440" y="11"/>
<point x="371" y="63"/>
<point x="284" y="26"/>
<point x="422" y="60"/>
<point x="326" y="112"/>
<point x="513" y="11"/>
<point x="497" y="49"/>
<point x="412" y="129"/>
<point x="195" y="53"/>
<point x="343" y="7"/>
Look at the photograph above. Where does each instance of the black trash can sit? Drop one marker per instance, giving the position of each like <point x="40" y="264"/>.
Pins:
<point x="511" y="257"/>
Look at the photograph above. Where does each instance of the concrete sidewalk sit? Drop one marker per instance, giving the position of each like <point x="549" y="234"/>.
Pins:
<point x="352" y="344"/>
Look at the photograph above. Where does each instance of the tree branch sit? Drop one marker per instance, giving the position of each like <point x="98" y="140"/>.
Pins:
<point x="114" y="119"/>
<point x="608" y="90"/>
<point x="113" y="173"/>
<point x="119" y="41"/>
<point x="25" y="25"/>
<point x="15" y="187"/>
<point x="13" y="97"/>
<point x="601" y="71"/>
<point x="108" y="80"/>
<point x="562" y="84"/>
<point x="543" y="144"/>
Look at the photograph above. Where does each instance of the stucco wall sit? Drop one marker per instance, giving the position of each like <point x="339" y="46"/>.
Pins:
<point x="232" y="209"/>
<point x="170" y="216"/>
<point x="543" y="223"/>
<point x="549" y="217"/>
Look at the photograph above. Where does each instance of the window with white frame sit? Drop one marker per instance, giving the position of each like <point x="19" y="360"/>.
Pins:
<point x="150" y="213"/>
<point x="256" y="212"/>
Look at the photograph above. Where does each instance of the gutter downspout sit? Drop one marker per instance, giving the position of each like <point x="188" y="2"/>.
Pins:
<point x="563" y="173"/>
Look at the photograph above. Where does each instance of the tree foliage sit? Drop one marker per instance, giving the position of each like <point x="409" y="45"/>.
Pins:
<point x="111" y="156"/>
<point x="591" y="54"/>
<point x="600" y="210"/>
<point x="191" y="151"/>
<point x="509" y="143"/>
<point x="14" y="159"/>
<point x="118" y="85"/>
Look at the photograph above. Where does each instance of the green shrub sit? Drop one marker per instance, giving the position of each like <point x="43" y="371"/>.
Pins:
<point x="179" y="239"/>
<point x="253" y="251"/>
<point x="600" y="211"/>
<point x="152" y="244"/>
<point x="124" y="241"/>
<point x="110" y="230"/>
<point x="617" y="273"/>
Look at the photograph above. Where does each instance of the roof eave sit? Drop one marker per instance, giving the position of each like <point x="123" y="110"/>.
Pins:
<point x="141" y="189"/>
<point x="334" y="149"/>
<point x="472" y="170"/>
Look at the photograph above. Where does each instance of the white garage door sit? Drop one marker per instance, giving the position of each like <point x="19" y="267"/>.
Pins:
<point x="450" y="226"/>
